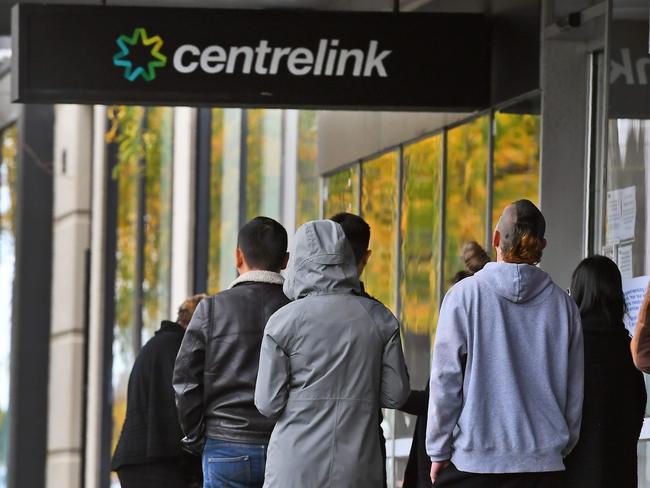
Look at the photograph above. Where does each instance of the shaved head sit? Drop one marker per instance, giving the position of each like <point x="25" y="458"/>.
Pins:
<point x="521" y="231"/>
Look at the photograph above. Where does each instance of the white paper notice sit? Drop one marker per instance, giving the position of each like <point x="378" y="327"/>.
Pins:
<point x="621" y="214"/>
<point x="613" y="217"/>
<point x="625" y="261"/>
<point x="634" y="289"/>
<point x="628" y="212"/>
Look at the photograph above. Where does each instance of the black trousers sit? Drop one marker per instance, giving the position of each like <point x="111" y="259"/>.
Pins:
<point x="156" y="475"/>
<point x="450" y="477"/>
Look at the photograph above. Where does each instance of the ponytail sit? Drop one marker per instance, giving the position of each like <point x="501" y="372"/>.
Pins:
<point x="527" y="249"/>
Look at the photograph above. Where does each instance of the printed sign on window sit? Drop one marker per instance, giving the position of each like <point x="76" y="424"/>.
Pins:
<point x="634" y="289"/>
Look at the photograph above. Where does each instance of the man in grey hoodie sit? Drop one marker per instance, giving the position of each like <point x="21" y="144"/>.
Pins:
<point x="329" y="361"/>
<point x="507" y="370"/>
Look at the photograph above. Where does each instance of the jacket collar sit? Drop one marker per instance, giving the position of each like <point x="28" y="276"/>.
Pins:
<point x="259" y="276"/>
<point x="169" y="326"/>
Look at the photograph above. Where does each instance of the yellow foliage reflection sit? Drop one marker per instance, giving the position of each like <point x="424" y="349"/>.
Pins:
<point x="516" y="160"/>
<point x="420" y="253"/>
<point x="467" y="160"/>
<point x="342" y="192"/>
<point x="379" y="209"/>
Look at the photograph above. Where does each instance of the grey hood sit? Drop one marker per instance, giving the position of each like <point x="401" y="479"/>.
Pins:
<point x="518" y="283"/>
<point x="321" y="262"/>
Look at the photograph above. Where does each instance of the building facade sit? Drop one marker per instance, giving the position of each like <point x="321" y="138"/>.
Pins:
<point x="111" y="215"/>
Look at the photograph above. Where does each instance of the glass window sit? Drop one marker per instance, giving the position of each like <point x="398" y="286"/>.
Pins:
<point x="516" y="160"/>
<point x="126" y="134"/>
<point x="379" y="209"/>
<point x="342" y="192"/>
<point x="8" y="145"/>
<point x="157" y="139"/>
<point x="625" y="204"/>
<point x="308" y="188"/>
<point x="625" y="210"/>
<point x="379" y="200"/>
<point x="224" y="197"/>
<point x="263" y="163"/>
<point x="141" y="145"/>
<point x="466" y="197"/>
<point x="420" y="251"/>
<point x="419" y="277"/>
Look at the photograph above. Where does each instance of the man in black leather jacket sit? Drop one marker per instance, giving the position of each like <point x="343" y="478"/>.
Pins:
<point x="216" y="367"/>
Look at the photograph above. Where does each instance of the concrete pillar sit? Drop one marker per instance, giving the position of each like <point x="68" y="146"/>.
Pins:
<point x="71" y="242"/>
<point x="565" y="135"/>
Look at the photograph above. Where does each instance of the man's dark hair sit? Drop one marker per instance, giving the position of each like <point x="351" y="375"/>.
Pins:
<point x="597" y="289"/>
<point x="264" y="243"/>
<point x="357" y="232"/>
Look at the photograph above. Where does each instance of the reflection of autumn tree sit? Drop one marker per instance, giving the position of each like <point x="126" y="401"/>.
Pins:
<point x="224" y="196"/>
<point x="307" y="191"/>
<point x="342" y="192"/>
<point x="379" y="209"/>
<point x="157" y="141"/>
<point x="216" y="195"/>
<point x="263" y="163"/>
<point x="9" y="141"/>
<point x="420" y="253"/>
<point x="143" y="140"/>
<point x="516" y="160"/>
<point x="254" y="146"/>
<point x="4" y="437"/>
<point x="126" y="133"/>
<point x="467" y="159"/>
<point x="143" y="136"/>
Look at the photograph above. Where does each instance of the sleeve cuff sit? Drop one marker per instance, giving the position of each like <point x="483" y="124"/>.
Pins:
<point x="439" y="458"/>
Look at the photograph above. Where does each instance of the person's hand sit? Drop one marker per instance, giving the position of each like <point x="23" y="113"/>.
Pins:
<point x="436" y="467"/>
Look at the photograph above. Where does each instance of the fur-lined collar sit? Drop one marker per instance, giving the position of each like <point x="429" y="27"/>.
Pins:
<point x="259" y="276"/>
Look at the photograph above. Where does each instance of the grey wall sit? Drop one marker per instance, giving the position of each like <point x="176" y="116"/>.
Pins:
<point x="564" y="106"/>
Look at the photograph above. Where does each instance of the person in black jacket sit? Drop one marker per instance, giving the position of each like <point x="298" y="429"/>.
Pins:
<point x="216" y="367"/>
<point x="614" y="397"/>
<point x="148" y="453"/>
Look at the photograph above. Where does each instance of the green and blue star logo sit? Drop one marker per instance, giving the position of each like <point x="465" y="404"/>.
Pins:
<point x="139" y="38"/>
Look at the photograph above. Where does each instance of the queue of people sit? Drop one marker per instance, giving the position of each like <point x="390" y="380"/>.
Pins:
<point x="279" y="380"/>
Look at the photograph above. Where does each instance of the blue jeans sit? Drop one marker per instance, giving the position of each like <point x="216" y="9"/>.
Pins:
<point x="233" y="465"/>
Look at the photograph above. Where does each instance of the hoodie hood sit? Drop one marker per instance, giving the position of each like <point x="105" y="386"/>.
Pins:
<point x="518" y="283"/>
<point x="321" y="261"/>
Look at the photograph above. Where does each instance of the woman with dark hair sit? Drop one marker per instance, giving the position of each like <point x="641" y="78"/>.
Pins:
<point x="614" y="397"/>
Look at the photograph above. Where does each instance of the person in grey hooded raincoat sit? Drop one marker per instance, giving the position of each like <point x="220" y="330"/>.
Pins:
<point x="329" y="359"/>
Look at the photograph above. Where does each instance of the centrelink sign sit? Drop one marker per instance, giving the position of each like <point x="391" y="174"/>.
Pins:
<point x="270" y="58"/>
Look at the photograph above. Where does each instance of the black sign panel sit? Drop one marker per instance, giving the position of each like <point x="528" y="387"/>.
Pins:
<point x="629" y="95"/>
<point x="271" y="58"/>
